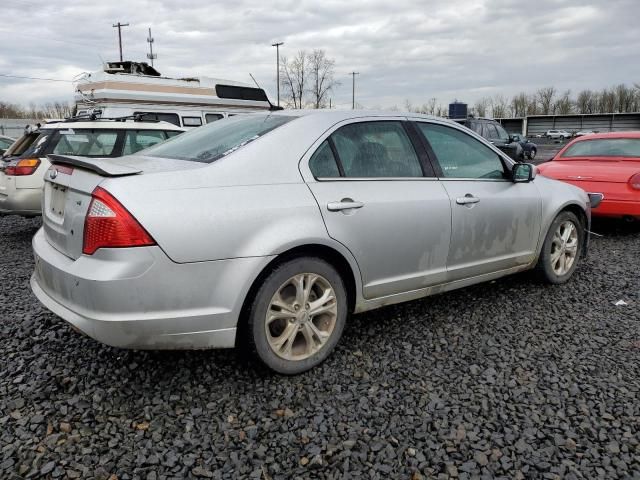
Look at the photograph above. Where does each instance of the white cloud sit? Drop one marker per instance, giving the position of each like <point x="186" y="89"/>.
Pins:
<point x="405" y="49"/>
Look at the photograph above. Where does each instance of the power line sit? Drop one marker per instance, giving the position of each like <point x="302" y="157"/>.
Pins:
<point x="35" y="78"/>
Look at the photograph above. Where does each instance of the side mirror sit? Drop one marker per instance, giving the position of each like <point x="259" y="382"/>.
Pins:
<point x="522" y="173"/>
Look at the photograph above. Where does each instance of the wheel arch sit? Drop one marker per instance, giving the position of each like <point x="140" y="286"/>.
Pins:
<point x="343" y="263"/>
<point x="579" y="212"/>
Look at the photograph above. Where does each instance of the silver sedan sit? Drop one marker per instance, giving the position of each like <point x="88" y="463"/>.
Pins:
<point x="269" y="229"/>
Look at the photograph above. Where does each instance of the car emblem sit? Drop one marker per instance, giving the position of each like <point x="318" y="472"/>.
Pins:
<point x="53" y="173"/>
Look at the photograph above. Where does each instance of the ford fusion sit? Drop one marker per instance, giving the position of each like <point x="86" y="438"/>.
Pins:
<point x="268" y="230"/>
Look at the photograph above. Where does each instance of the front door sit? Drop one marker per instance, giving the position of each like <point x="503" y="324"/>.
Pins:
<point x="495" y="222"/>
<point x="379" y="199"/>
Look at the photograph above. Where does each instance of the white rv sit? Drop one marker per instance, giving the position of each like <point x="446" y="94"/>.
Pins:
<point x="124" y="89"/>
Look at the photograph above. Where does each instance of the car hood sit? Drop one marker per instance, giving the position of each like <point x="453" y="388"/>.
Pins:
<point x="613" y="171"/>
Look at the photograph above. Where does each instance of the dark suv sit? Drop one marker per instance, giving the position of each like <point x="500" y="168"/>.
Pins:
<point x="496" y="134"/>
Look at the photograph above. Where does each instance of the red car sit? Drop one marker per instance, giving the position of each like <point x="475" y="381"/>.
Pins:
<point x="603" y="163"/>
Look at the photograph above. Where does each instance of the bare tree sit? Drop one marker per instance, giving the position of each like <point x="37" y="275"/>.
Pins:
<point x="545" y="97"/>
<point x="585" y="102"/>
<point x="563" y="105"/>
<point x="499" y="106"/>
<point x="322" y="79"/>
<point x="519" y="105"/>
<point x="481" y="106"/>
<point x="293" y="80"/>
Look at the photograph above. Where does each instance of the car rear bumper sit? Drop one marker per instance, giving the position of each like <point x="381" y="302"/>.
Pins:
<point x="138" y="298"/>
<point x="21" y="201"/>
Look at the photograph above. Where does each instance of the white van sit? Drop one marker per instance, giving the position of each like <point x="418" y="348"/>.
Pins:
<point x="127" y="89"/>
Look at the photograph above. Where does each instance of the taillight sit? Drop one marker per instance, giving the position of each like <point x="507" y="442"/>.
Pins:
<point x="22" y="167"/>
<point x="109" y="225"/>
<point x="634" y="181"/>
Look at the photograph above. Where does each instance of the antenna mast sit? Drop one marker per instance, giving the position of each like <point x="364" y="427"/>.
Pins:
<point x="151" y="56"/>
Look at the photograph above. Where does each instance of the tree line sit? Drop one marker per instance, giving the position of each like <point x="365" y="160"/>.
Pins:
<point x="547" y="101"/>
<point x="49" y="110"/>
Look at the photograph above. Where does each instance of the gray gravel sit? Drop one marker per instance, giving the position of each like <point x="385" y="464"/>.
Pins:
<point x="511" y="379"/>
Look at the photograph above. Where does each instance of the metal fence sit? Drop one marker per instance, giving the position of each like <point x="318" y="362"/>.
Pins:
<point x="14" y="127"/>
<point x="602" y="122"/>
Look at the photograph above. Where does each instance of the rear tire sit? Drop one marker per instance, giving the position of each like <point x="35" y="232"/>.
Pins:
<point x="561" y="249"/>
<point x="283" y="331"/>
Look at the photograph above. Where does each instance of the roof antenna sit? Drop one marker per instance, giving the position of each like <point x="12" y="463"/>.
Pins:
<point x="254" y="80"/>
<point x="272" y="107"/>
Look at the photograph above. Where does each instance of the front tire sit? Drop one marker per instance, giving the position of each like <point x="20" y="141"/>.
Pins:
<point x="297" y="316"/>
<point x="561" y="249"/>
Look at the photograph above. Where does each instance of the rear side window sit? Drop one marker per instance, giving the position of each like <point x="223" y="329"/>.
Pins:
<point x="212" y="117"/>
<point x="160" y="117"/>
<point x="136" y="140"/>
<point x="605" y="147"/>
<point x="191" y="121"/>
<point x="376" y="149"/>
<point x="460" y="155"/>
<point x="86" y="143"/>
<point x="218" y="139"/>
<point x="323" y="163"/>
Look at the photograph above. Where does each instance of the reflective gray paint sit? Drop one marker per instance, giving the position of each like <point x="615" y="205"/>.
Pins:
<point x="219" y="225"/>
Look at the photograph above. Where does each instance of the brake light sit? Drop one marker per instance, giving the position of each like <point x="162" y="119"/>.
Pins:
<point x="23" y="167"/>
<point x="109" y="225"/>
<point x="634" y="181"/>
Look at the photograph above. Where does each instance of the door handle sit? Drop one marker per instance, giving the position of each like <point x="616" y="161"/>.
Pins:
<point x="467" y="199"/>
<point x="344" y="204"/>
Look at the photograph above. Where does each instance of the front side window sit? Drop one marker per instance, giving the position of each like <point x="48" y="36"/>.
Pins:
<point x="376" y="149"/>
<point x="86" y="143"/>
<point x="218" y="139"/>
<point x="323" y="163"/>
<point x="502" y="133"/>
<point x="460" y="155"/>
<point x="136" y="140"/>
<point x="605" y="147"/>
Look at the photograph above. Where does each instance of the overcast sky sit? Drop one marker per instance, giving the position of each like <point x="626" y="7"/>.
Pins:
<point x="404" y="49"/>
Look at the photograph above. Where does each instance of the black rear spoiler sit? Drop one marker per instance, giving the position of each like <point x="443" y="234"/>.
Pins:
<point x="106" y="167"/>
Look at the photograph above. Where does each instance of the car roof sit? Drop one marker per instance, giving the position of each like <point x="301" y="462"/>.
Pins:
<point x="593" y="136"/>
<point x="112" y="125"/>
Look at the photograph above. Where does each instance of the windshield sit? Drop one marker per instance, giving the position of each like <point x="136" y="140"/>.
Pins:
<point x="604" y="147"/>
<point x="216" y="140"/>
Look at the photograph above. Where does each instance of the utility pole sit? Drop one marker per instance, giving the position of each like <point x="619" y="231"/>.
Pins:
<point x="119" y="26"/>
<point x="277" y="45"/>
<point x="353" y="90"/>
<point x="151" y="56"/>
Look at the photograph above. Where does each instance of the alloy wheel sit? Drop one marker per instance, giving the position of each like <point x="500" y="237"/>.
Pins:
<point x="301" y="316"/>
<point x="564" y="248"/>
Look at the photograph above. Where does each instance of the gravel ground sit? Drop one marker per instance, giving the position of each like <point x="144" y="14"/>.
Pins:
<point x="510" y="379"/>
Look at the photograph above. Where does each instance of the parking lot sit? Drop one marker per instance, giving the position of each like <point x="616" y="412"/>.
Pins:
<point x="513" y="378"/>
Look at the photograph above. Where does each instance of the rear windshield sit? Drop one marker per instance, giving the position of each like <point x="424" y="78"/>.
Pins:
<point x="216" y="140"/>
<point x="605" y="147"/>
<point x="31" y="144"/>
<point x="86" y="143"/>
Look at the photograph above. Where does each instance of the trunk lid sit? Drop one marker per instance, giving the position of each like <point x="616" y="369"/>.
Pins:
<point x="610" y="171"/>
<point x="68" y="186"/>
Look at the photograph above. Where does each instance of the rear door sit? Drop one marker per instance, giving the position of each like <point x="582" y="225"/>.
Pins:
<point x="378" y="197"/>
<point x="495" y="222"/>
